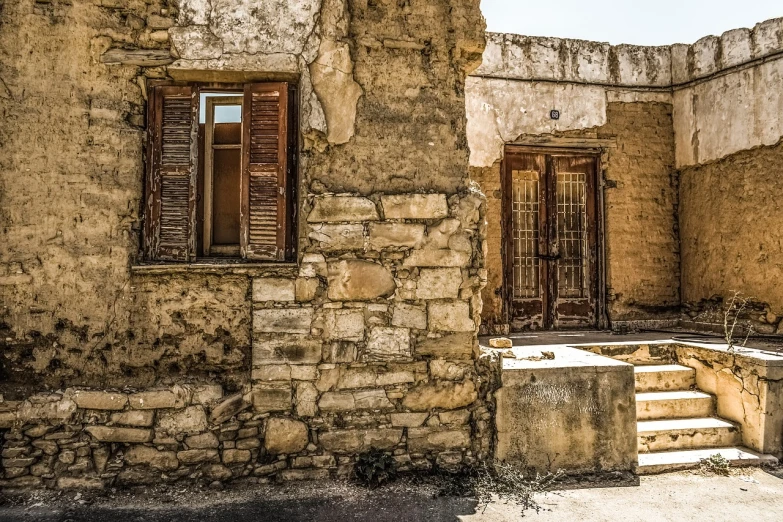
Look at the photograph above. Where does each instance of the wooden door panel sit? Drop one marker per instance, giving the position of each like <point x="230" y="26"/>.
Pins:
<point x="527" y="277"/>
<point x="551" y="249"/>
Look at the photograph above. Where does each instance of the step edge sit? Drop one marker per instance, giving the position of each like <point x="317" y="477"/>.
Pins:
<point x="659" y="395"/>
<point x="663" y="368"/>
<point x="757" y="458"/>
<point x="730" y="424"/>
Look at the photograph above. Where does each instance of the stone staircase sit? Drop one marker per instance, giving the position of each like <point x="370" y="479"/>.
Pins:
<point x="677" y="424"/>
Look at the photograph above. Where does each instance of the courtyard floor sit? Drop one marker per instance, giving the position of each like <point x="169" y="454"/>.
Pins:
<point x="750" y="494"/>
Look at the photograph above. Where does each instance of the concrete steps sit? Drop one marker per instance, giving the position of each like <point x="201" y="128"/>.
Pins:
<point x="682" y="434"/>
<point x="674" y="405"/>
<point x="677" y="426"/>
<point x="664" y="377"/>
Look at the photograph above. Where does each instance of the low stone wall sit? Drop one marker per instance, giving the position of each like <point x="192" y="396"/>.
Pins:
<point x="93" y="439"/>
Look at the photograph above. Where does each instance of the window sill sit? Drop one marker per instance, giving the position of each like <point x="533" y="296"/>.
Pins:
<point x="224" y="268"/>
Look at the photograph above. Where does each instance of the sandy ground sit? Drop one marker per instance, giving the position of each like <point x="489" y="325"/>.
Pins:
<point x="754" y="495"/>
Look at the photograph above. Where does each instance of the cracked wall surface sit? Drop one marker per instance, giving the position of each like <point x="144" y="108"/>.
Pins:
<point x="286" y="371"/>
<point x="729" y="131"/>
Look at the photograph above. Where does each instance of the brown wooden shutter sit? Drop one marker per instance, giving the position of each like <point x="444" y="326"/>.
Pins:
<point x="264" y="171"/>
<point x="173" y="171"/>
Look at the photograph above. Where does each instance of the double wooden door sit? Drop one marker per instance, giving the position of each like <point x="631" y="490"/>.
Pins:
<point x="551" y="240"/>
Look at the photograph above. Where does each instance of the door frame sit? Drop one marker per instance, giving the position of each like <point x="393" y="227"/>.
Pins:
<point x="598" y="278"/>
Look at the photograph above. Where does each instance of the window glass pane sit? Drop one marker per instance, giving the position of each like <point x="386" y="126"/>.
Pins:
<point x="228" y="114"/>
<point x="571" y="233"/>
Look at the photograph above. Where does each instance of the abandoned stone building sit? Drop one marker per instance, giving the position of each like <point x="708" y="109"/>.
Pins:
<point x="247" y="238"/>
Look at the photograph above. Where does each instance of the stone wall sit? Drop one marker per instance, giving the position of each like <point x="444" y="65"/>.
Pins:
<point x="369" y="340"/>
<point x="729" y="221"/>
<point x="729" y="125"/>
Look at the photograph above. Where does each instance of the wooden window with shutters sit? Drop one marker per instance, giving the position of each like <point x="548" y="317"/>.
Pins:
<point x="221" y="189"/>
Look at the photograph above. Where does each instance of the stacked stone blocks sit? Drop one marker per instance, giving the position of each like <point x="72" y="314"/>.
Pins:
<point x="372" y="344"/>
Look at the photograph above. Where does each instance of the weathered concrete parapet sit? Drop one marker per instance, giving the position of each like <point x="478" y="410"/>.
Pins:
<point x="712" y="54"/>
<point x="519" y="57"/>
<point x="575" y="412"/>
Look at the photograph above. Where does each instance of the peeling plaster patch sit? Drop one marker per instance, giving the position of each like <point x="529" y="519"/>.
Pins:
<point x="638" y="97"/>
<point x="196" y="43"/>
<point x="194" y="12"/>
<point x="271" y="26"/>
<point x="332" y="77"/>
<point x="312" y="112"/>
<point x="499" y="111"/>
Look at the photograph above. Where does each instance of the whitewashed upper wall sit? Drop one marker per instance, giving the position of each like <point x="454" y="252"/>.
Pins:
<point x="306" y="39"/>
<point x="718" y="110"/>
<point x="726" y="91"/>
<point x="501" y="108"/>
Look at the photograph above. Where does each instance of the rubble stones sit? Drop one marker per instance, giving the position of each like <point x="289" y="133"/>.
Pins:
<point x="445" y="395"/>
<point x="273" y="289"/>
<point x="345" y="208"/>
<point x="359" y="441"/>
<point x="388" y="344"/>
<point x="206" y="440"/>
<point x="439" y="283"/>
<point x="97" y="400"/>
<point x="283" y="320"/>
<point x="423" y="440"/>
<point x="415" y="206"/>
<point x="501" y="342"/>
<point x="454" y="346"/>
<point x="228" y="408"/>
<point x="192" y="419"/>
<point x="155" y="399"/>
<point x="136" y="418"/>
<point x="409" y="316"/>
<point x="291" y="349"/>
<point x="196" y="456"/>
<point x="108" y="434"/>
<point x="359" y="281"/>
<point x="144" y="455"/>
<point x="450" y="317"/>
<point x="285" y="436"/>
<point x="396" y="235"/>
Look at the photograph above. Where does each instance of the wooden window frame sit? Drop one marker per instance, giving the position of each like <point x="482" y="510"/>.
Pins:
<point x="197" y="249"/>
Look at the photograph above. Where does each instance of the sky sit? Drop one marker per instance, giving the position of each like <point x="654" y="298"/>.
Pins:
<point x="651" y="22"/>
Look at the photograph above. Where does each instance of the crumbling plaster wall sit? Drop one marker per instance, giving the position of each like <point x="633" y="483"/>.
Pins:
<point x="729" y="126"/>
<point x="369" y="341"/>
<point x="612" y="97"/>
<point x="72" y="177"/>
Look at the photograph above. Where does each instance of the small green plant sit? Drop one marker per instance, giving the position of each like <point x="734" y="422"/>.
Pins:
<point x="375" y="468"/>
<point x="715" y="464"/>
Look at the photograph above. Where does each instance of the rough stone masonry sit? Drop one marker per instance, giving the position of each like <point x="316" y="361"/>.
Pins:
<point x="115" y="373"/>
